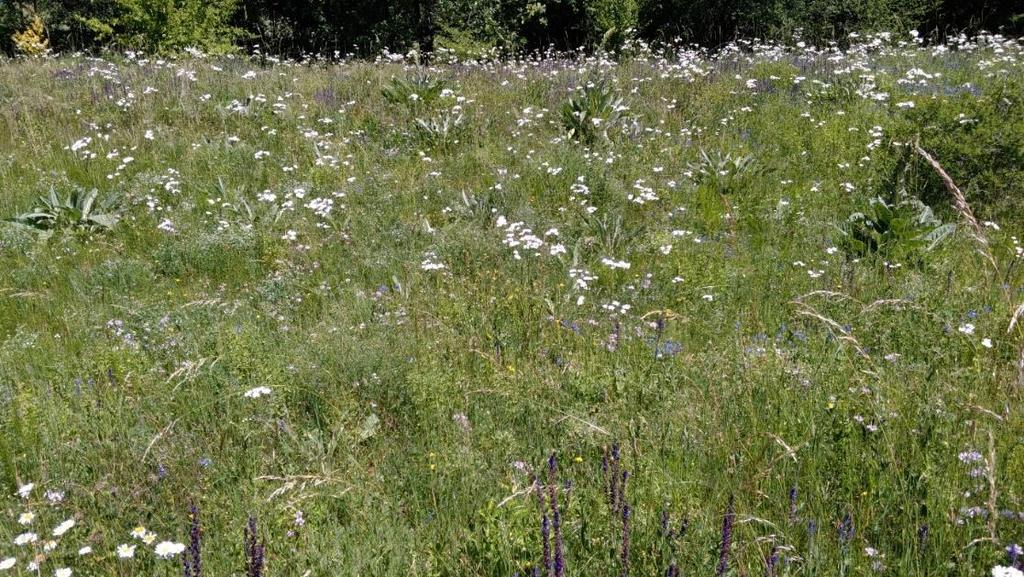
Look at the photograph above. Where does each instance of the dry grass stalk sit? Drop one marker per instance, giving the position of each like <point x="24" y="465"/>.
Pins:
<point x="1017" y="315"/>
<point x="960" y="204"/>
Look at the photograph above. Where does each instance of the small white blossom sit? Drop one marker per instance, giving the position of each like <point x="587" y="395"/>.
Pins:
<point x="168" y="549"/>
<point x="257" y="392"/>
<point x="125" y="551"/>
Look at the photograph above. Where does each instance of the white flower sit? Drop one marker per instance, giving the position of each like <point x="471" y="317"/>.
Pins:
<point x="25" y="490"/>
<point x="907" y="104"/>
<point x="63" y="527"/>
<point x="708" y="298"/>
<point x="1000" y="571"/>
<point x="167" y="225"/>
<point x="139" y="532"/>
<point x="125" y="551"/>
<point x="54" y="496"/>
<point x="257" y="392"/>
<point x="290" y="235"/>
<point x="612" y="263"/>
<point x="987" y="343"/>
<point x="7" y="563"/>
<point x="85" y="550"/>
<point x="168" y="549"/>
<point x="25" y="538"/>
<point x="63" y="572"/>
<point x="26" y="517"/>
<point x="966" y="328"/>
<point x="429" y="264"/>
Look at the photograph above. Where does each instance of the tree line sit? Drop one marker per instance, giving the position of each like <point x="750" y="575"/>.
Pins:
<point x="366" y="27"/>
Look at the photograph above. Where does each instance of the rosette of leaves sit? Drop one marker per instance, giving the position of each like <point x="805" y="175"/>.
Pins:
<point x="902" y="227"/>
<point x="417" y="91"/>
<point x="439" y="131"/>
<point x="80" y="210"/>
<point x="592" y="112"/>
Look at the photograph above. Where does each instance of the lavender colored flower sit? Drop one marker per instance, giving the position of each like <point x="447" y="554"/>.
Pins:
<point x="727" y="523"/>
<point x="545" y="536"/>
<point x="624" y="554"/>
<point x="254" y="550"/>
<point x="792" y="504"/>
<point x="192" y="559"/>
<point x="1013" y="551"/>
<point x="556" y="515"/>
<point x="846" y="530"/>
<point x="772" y="563"/>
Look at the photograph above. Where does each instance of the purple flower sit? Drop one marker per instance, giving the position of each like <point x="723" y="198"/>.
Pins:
<point x="727" y="522"/>
<point x="624" y="555"/>
<point x="254" y="550"/>
<point x="846" y="530"/>
<point x="192" y="559"/>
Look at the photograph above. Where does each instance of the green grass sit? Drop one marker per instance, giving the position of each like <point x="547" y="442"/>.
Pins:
<point x="402" y="394"/>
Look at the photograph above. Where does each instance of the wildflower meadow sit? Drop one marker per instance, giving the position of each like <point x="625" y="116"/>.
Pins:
<point x="756" y="310"/>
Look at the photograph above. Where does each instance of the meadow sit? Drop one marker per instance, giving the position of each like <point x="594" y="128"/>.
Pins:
<point x="755" y="311"/>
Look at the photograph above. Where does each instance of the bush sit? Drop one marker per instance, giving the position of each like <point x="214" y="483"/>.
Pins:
<point x="32" y="41"/>
<point x="163" y="26"/>
<point x="610" y="22"/>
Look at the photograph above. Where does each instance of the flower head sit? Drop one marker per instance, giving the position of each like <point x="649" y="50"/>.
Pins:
<point x="63" y="527"/>
<point x="168" y="549"/>
<point x="257" y="392"/>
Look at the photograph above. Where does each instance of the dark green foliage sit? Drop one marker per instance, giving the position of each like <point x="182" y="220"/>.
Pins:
<point x="164" y="26"/>
<point x="900" y="227"/>
<point x="977" y="137"/>
<point x="474" y="26"/>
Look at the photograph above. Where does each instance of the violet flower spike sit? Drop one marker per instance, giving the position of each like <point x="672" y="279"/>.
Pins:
<point x="727" y="522"/>
<point x="624" y="556"/>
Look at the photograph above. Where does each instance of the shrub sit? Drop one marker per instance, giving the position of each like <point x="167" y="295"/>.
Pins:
<point x="169" y="25"/>
<point x="610" y="22"/>
<point x="32" y="41"/>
